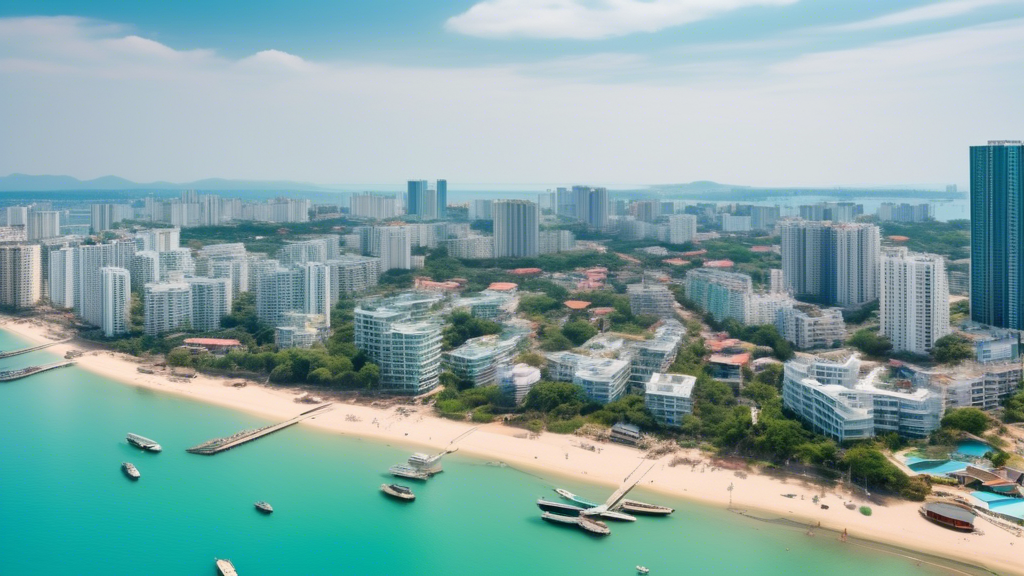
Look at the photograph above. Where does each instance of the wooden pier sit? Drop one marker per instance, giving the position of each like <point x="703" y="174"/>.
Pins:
<point x="32" y="349"/>
<point x="10" y="375"/>
<point x="218" y="445"/>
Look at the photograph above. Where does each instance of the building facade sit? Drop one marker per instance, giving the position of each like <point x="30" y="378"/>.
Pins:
<point x="168" y="307"/>
<point x="914" y="300"/>
<point x="516" y="229"/>
<point x="116" y="300"/>
<point x="20" y="275"/>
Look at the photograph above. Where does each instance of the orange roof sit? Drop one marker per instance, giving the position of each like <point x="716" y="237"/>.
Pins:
<point x="719" y="345"/>
<point x="695" y="252"/>
<point x="576" y="304"/>
<point x="602" y="310"/>
<point x="899" y="238"/>
<point x="734" y="359"/>
<point x="760" y="248"/>
<point x="526" y="271"/>
<point x="676" y="261"/>
<point x="213" y="341"/>
<point x="503" y="286"/>
<point x="718" y="264"/>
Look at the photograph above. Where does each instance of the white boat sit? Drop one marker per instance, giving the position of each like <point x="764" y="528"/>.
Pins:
<point x="594" y="526"/>
<point x="398" y="491"/>
<point x="264" y="507"/>
<point x="574" y="498"/>
<point x="226" y="568"/>
<point x="642" y="570"/>
<point x="130" y="470"/>
<point x="143" y="442"/>
<point x="408" y="472"/>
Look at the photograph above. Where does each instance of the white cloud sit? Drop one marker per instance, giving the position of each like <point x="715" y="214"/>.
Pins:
<point x="936" y="11"/>
<point x="83" y="102"/>
<point x="588" y="19"/>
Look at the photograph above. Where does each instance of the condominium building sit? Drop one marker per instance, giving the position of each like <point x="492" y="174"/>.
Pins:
<point x="61" y="273"/>
<point x="653" y="299"/>
<point x="777" y="282"/>
<point x="732" y="223"/>
<point x="280" y="291"/>
<point x="471" y="248"/>
<point x="104" y="216"/>
<point x="646" y="210"/>
<point x="43" y="224"/>
<point x="393" y="245"/>
<point x="602" y="380"/>
<point x="647" y="357"/>
<point x="211" y="301"/>
<point x="914" y="301"/>
<point x="681" y="228"/>
<point x="441" y="188"/>
<point x="353" y="275"/>
<point x="970" y="385"/>
<point x="554" y="241"/>
<point x="314" y="250"/>
<point x="997" y="234"/>
<point x="481" y="210"/>
<point x="316" y="290"/>
<point x="373" y="206"/>
<point x="807" y="326"/>
<point x="174" y="264"/>
<point x="669" y="397"/>
<point x="591" y="206"/>
<point x="20" y="276"/>
<point x="764" y="308"/>
<point x="299" y="330"/>
<point x="406" y="348"/>
<point x="115" y="295"/>
<point x="160" y="239"/>
<point x="719" y="293"/>
<point x="831" y="211"/>
<point x="763" y="218"/>
<point x="168" y="307"/>
<point x="259" y="266"/>
<point x="16" y="215"/>
<point x="836" y="263"/>
<point x="891" y="212"/>
<point x="478" y="359"/>
<point x="516" y="381"/>
<point x="144" y="268"/>
<point x="88" y="262"/>
<point x="829" y="395"/>
<point x="516" y="229"/>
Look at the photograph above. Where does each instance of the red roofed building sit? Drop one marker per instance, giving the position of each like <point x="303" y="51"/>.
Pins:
<point x="719" y="264"/>
<point x="761" y="249"/>
<point x="700" y="252"/>
<point x="509" y="287"/>
<point x="728" y="368"/>
<point x="602" y="311"/>
<point x="215" y="345"/>
<point x="576" y="304"/>
<point x="676" y="261"/>
<point x="423" y="283"/>
<point x="526" y="271"/>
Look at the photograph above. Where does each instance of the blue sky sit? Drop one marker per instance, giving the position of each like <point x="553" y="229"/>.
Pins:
<point x="769" y="92"/>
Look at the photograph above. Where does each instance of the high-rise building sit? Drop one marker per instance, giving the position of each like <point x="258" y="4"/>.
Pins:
<point x="352" y="275"/>
<point x="116" y="297"/>
<point x="719" y="293"/>
<point x="175" y="264"/>
<point x="88" y="261"/>
<point x="808" y="326"/>
<point x="997" y="234"/>
<point x="472" y="248"/>
<point x="553" y="241"/>
<point x="732" y="223"/>
<point x="144" y="268"/>
<point x="104" y="216"/>
<point x="62" y="277"/>
<point x="442" y="199"/>
<point x="653" y="299"/>
<point x="316" y="290"/>
<point x="44" y="224"/>
<point x="159" y="239"/>
<point x="763" y="217"/>
<point x="416" y="202"/>
<point x="280" y="292"/>
<point x="889" y="211"/>
<point x="914" y="301"/>
<point x="395" y="335"/>
<point x="516" y="229"/>
<point x="681" y="228"/>
<point x="393" y="245"/>
<point x="167" y="306"/>
<point x="373" y="206"/>
<point x="211" y="301"/>
<point x="591" y="206"/>
<point x="20" y="275"/>
<point x="835" y="263"/>
<point x="647" y="210"/>
<point x="17" y="215"/>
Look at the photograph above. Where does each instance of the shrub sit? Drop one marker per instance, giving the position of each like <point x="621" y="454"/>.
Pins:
<point x="970" y="420"/>
<point x="566" y="426"/>
<point x="865" y="510"/>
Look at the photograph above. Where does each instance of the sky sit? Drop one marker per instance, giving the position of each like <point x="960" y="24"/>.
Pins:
<point x="537" y="92"/>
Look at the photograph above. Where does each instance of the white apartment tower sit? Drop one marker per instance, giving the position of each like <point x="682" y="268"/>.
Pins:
<point x="516" y="229"/>
<point x="316" y="290"/>
<point x="211" y="301"/>
<point x="144" y="268"/>
<point x="168" y="306"/>
<point x="393" y="245"/>
<point x="62" y="277"/>
<point x="836" y="263"/>
<point x="43" y="224"/>
<point x="116" y="297"/>
<point x="681" y="228"/>
<point x="914" y="301"/>
<point x="20" y="275"/>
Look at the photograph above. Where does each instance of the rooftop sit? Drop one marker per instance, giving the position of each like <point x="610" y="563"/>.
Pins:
<point x="503" y="286"/>
<point x="731" y="359"/>
<point x="213" y="341"/>
<point x="719" y="264"/>
<point x="678" y="385"/>
<point x="576" y="304"/>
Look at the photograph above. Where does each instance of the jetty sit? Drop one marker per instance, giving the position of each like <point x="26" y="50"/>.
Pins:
<point x="10" y="375"/>
<point x="218" y="445"/>
<point x="32" y="349"/>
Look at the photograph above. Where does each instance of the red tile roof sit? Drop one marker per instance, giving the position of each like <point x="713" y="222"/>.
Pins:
<point x="576" y="304"/>
<point x="503" y="286"/>
<point x="718" y="264"/>
<point x="526" y="271"/>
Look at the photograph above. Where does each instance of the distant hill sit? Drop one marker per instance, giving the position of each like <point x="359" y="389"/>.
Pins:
<point x="31" y="183"/>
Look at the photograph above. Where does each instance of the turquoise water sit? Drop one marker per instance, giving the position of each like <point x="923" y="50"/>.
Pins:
<point x="935" y="467"/>
<point x="973" y="448"/>
<point x="66" y="508"/>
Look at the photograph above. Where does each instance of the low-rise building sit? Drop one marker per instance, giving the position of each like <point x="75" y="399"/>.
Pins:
<point x="396" y="335"/>
<point x="807" y="326"/>
<point x="668" y="397"/>
<point x="602" y="380"/>
<point x="478" y="359"/>
<point x="653" y="299"/>
<point x="647" y="357"/>
<point x="517" y="381"/>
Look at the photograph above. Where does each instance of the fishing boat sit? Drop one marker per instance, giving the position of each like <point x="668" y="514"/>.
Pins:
<point x="643" y="570"/>
<point x="574" y="498"/>
<point x="635" y="507"/>
<point x="144" y="443"/>
<point x="264" y="507"/>
<point x="594" y="526"/>
<point x="404" y="471"/>
<point x="559" y="508"/>
<point x="398" y="491"/>
<point x="225" y="567"/>
<point x="130" y="470"/>
<point x="953" y="516"/>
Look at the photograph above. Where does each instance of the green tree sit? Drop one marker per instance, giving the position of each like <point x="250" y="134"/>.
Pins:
<point x="970" y="420"/>
<point x="952" y="349"/>
<point x="579" y="331"/>
<point x="870" y="343"/>
<point x="369" y="376"/>
<point x="546" y="396"/>
<point x="179" y="357"/>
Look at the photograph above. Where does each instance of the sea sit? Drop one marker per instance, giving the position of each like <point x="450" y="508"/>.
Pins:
<point x="67" y="509"/>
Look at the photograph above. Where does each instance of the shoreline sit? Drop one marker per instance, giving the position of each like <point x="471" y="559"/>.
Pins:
<point x="893" y="524"/>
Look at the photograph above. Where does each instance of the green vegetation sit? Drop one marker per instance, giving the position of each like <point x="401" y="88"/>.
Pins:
<point x="970" y="420"/>
<point x="264" y="237"/>
<point x="1014" y="407"/>
<point x="950" y="239"/>
<point x="952" y="349"/>
<point x="579" y="331"/>
<point x="870" y="343"/>
<point x="959" y="311"/>
<point x="862" y="314"/>
<point x="764" y="335"/>
<point x="998" y="458"/>
<point x="865" y="510"/>
<point x="866" y="463"/>
<point x="464" y="326"/>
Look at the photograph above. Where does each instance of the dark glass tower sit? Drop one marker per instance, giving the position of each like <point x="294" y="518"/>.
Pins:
<point x="442" y="199"/>
<point x="415" y="203"/>
<point x="997" y="219"/>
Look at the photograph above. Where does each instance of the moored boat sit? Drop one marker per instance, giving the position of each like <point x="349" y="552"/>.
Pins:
<point x="403" y="471"/>
<point x="609" y="514"/>
<point x="559" y="508"/>
<point x="225" y="567"/>
<point x="953" y="516"/>
<point x="635" y="507"/>
<point x="594" y="526"/>
<point x="559" y="519"/>
<point x="144" y="443"/>
<point x="574" y="498"/>
<point x="264" y="507"/>
<point x="130" y="470"/>
<point x="642" y="570"/>
<point x="398" y="491"/>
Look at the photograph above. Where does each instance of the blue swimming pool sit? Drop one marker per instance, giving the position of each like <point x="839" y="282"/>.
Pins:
<point x="935" y="467"/>
<point x="973" y="448"/>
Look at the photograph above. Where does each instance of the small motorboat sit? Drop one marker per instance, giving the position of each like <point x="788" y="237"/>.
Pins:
<point x="398" y="491"/>
<point x="643" y="570"/>
<point x="264" y="507"/>
<point x="130" y="470"/>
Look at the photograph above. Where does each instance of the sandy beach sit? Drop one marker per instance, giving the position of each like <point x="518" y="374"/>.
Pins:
<point x="894" y="523"/>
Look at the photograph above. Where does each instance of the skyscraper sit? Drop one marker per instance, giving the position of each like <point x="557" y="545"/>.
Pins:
<point x="591" y="206"/>
<point x="997" y="218"/>
<point x="415" y="204"/>
<point x="116" y="296"/>
<point x="168" y="306"/>
<point x="442" y="199"/>
<point x="835" y="263"/>
<point x="211" y="301"/>
<point x="43" y="224"/>
<point x="62" y="277"/>
<point x="516" y="229"/>
<point x="393" y="245"/>
<point x="20" y="275"/>
<point x="914" y="300"/>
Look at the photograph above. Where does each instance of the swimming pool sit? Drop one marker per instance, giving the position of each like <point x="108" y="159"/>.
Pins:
<point x="973" y="448"/>
<point x="935" y="467"/>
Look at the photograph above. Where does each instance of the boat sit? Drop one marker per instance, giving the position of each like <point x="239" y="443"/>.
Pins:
<point x="144" y="443"/>
<point x="642" y="570"/>
<point x="594" y="526"/>
<point x="130" y="470"/>
<point x="559" y="519"/>
<point x="398" y="491"/>
<point x="635" y="507"/>
<point x="264" y="507"/>
<point x="559" y="508"/>
<point x="404" y="471"/>
<point x="574" y="498"/>
<point x="952" y="516"/>
<point x="225" y="567"/>
<point x="604" y="512"/>
<point x="426" y="462"/>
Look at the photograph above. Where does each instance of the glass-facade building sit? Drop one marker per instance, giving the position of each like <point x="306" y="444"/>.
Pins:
<point x="997" y="216"/>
